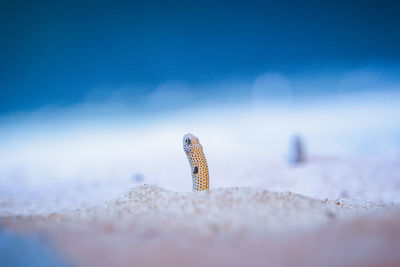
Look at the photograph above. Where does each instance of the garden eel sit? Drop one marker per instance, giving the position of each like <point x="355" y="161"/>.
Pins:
<point x="197" y="162"/>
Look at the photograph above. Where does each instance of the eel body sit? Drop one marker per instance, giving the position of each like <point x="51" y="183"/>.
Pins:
<point x="197" y="162"/>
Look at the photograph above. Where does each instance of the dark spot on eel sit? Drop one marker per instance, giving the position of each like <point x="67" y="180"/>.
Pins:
<point x="195" y="170"/>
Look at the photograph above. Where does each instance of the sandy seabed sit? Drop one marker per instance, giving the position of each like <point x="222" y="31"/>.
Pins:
<point x="63" y="178"/>
<point x="151" y="226"/>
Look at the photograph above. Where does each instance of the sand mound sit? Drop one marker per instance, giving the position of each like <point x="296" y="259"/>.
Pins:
<point x="149" y="225"/>
<point x="225" y="211"/>
<point x="232" y="210"/>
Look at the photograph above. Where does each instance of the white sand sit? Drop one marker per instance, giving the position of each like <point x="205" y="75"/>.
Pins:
<point x="230" y="227"/>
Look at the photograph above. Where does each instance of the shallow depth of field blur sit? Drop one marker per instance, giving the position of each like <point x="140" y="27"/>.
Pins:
<point x="296" y="104"/>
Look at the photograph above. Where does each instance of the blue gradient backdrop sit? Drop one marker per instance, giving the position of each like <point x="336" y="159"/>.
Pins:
<point x="55" y="52"/>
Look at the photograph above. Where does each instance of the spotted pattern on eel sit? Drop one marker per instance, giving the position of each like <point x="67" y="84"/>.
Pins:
<point x="197" y="162"/>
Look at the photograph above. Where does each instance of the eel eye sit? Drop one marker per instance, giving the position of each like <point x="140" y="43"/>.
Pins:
<point x="188" y="141"/>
